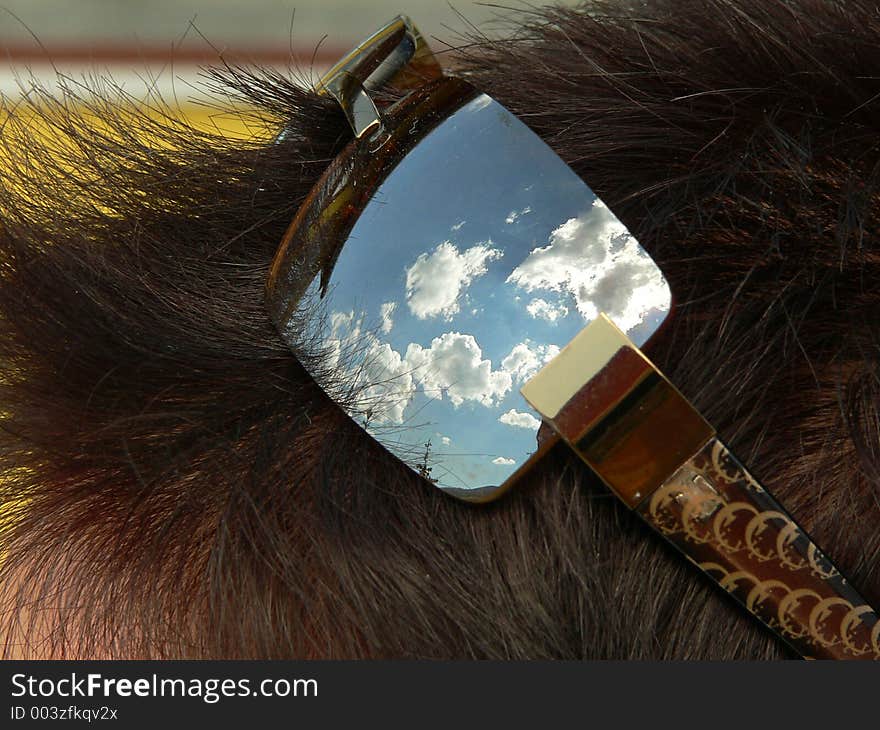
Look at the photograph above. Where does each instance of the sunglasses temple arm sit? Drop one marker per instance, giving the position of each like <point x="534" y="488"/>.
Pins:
<point x="732" y="529"/>
<point x="618" y="412"/>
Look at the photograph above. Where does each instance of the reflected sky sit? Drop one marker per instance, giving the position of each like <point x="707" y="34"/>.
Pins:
<point x="478" y="258"/>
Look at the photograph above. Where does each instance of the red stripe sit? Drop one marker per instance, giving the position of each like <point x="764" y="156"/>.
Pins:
<point x="21" y="53"/>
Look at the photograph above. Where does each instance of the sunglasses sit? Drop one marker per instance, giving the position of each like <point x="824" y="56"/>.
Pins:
<point x="458" y="290"/>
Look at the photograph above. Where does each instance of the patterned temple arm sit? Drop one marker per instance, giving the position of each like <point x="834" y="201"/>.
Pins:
<point x="662" y="459"/>
<point x="731" y="528"/>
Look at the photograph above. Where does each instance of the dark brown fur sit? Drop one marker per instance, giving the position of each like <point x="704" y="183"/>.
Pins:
<point x="180" y="488"/>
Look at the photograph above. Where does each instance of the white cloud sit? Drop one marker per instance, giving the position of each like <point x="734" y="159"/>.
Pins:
<point x="445" y="440"/>
<point x="387" y="313"/>
<point x="453" y="366"/>
<point x="436" y="281"/>
<point x="518" y="419"/>
<point x="378" y="384"/>
<point x="542" y="309"/>
<point x="386" y="384"/>
<point x="524" y="360"/>
<point x="515" y="214"/>
<point x="593" y="259"/>
<point x="343" y="331"/>
<point x="503" y="461"/>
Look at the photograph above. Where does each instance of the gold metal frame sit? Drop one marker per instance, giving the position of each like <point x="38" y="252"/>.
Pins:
<point x="618" y="411"/>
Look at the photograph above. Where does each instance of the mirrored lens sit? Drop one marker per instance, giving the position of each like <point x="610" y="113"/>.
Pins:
<point x="477" y="259"/>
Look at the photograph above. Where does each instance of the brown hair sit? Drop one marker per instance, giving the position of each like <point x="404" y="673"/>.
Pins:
<point x="174" y="484"/>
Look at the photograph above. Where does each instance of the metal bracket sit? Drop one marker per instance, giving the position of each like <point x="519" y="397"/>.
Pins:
<point x="617" y="411"/>
<point x="396" y="56"/>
